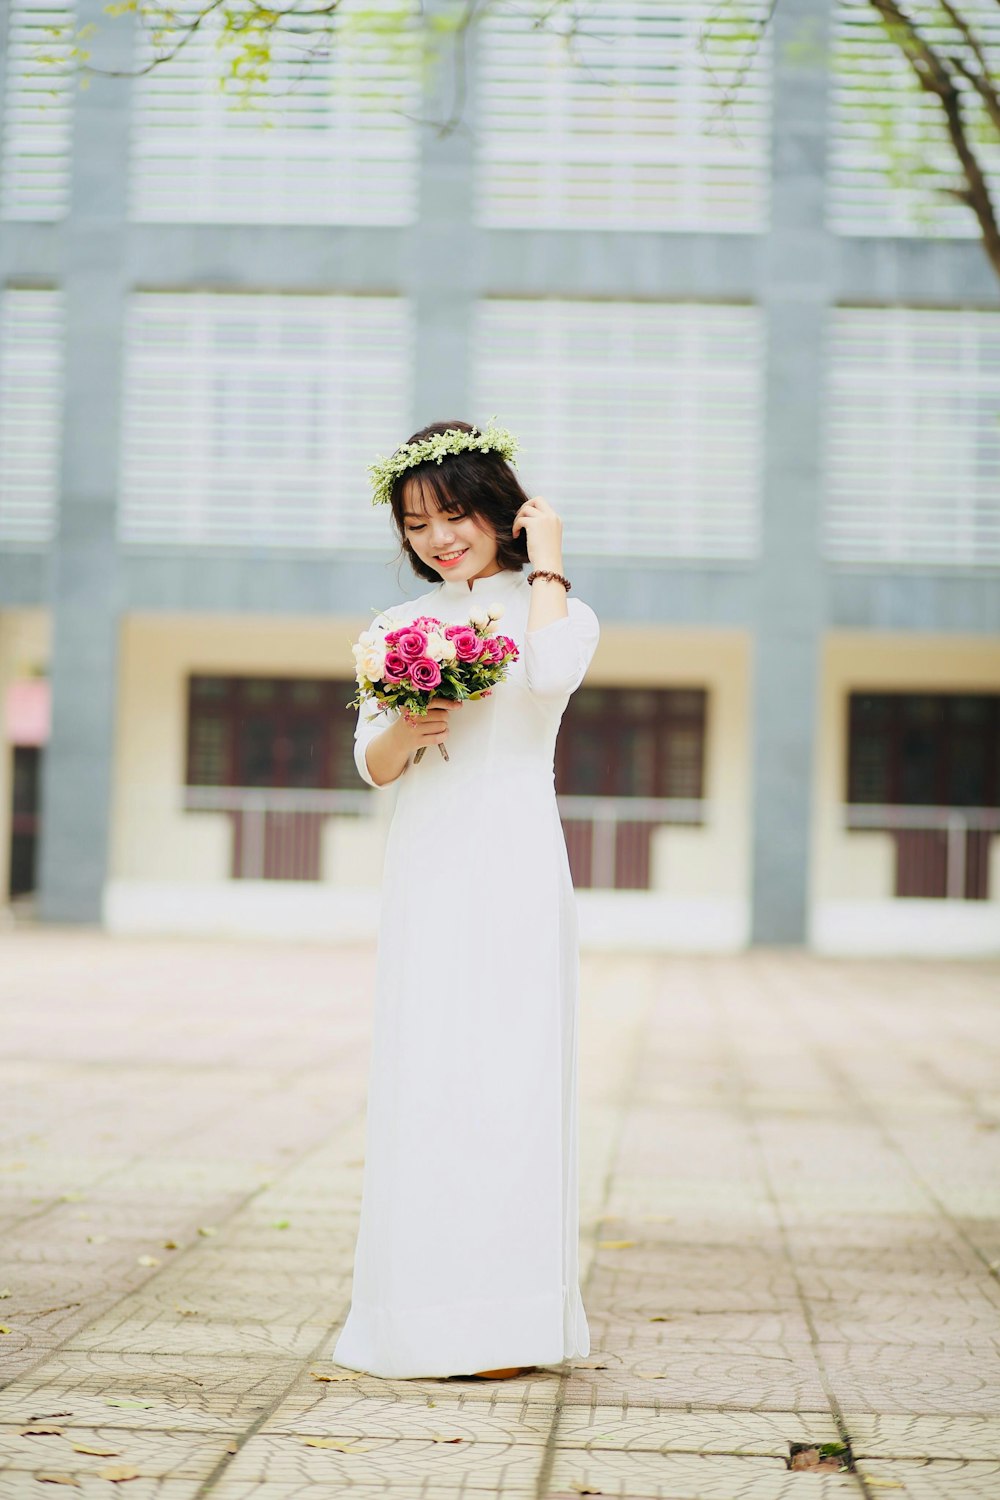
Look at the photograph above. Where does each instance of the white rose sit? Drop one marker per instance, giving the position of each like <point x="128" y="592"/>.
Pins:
<point x="495" y="611"/>
<point x="450" y="651"/>
<point x="478" y="617"/>
<point x="366" y="638"/>
<point x="373" y="663"/>
<point x="435" y="646"/>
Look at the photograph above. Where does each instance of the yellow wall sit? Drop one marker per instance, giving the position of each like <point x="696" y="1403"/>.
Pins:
<point x="857" y="865"/>
<point x="153" y="840"/>
<point x="24" y="649"/>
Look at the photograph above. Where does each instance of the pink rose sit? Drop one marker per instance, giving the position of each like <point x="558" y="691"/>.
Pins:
<point x="510" y="645"/>
<point x="391" y="637"/>
<point x="468" y="645"/>
<point x="427" y="623"/>
<point x="425" y="673"/>
<point x="412" y="643"/>
<point x="396" y="667"/>
<point x="492" y="649"/>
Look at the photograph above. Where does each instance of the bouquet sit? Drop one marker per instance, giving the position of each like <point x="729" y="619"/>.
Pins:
<point x="405" y="668"/>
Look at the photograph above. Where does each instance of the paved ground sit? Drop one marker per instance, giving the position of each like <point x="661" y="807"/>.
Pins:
<point x="791" y="1234"/>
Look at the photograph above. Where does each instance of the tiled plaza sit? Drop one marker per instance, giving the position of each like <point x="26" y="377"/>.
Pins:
<point x="790" y="1233"/>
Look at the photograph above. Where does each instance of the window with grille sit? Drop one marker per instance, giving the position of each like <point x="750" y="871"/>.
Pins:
<point x="279" y="732"/>
<point x="913" y="437"/>
<point x="628" y="742"/>
<point x="31" y="397"/>
<point x="933" y="750"/>
<point x="249" y="419"/>
<point x="35" y="133"/>
<point x="282" y="738"/>
<point x="327" y="138"/>
<point x="892" y="169"/>
<point x="622" y="115"/>
<point x="642" y="421"/>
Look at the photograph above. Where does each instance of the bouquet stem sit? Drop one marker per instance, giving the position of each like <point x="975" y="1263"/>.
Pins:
<point x="424" y="747"/>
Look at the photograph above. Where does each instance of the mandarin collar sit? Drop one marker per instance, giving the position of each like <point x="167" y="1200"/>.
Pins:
<point x="489" y="590"/>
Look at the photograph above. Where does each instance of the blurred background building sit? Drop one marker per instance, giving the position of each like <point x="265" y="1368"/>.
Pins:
<point x="757" y="376"/>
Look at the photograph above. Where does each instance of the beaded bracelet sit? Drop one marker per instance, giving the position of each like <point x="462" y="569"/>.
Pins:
<point x="544" y="573"/>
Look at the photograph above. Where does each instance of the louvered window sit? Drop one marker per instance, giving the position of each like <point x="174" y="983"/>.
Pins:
<point x="642" y="421"/>
<point x="327" y="139"/>
<point x="37" y="111"/>
<point x="627" y="123"/>
<point x="249" y="420"/>
<point x="892" y="168"/>
<point x="913" y="437"/>
<point x="31" y="396"/>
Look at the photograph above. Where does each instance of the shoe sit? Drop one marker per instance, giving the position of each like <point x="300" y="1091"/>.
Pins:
<point x="502" y="1374"/>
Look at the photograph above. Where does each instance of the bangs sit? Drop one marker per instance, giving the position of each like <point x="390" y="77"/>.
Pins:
<point x="431" y="478"/>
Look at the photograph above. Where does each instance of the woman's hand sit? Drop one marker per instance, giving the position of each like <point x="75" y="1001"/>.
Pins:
<point x="427" y="729"/>
<point x="543" y="528"/>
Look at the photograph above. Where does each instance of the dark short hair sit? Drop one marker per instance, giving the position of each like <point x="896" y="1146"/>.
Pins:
<point x="472" y="483"/>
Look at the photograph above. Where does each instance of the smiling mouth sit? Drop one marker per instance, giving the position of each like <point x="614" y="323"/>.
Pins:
<point x="451" y="557"/>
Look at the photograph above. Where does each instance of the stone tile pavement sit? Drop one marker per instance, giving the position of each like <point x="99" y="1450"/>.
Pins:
<point x="790" y="1209"/>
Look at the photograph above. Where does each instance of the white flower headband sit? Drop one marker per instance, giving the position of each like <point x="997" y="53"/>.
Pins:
<point x="385" y="471"/>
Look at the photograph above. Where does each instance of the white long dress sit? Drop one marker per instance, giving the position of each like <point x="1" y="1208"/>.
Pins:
<point x="467" y="1250"/>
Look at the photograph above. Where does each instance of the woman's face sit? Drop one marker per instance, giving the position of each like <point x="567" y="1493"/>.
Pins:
<point x="437" y="535"/>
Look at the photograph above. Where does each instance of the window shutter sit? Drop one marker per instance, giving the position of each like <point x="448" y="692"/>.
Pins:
<point x="31" y="397"/>
<point x="624" y="125"/>
<point x="641" y="421"/>
<point x="326" y="140"/>
<point x="38" y="108"/>
<point x="885" y="127"/>
<point x="249" y="420"/>
<point x="913" y="437"/>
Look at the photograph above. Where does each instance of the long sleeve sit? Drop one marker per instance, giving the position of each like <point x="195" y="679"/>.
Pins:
<point x="557" y="655"/>
<point x="371" y="722"/>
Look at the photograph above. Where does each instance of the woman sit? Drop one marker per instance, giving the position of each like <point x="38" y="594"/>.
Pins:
<point x="466" y="1261"/>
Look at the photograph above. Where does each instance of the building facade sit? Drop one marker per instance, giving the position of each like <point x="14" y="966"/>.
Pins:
<point x="760" y="388"/>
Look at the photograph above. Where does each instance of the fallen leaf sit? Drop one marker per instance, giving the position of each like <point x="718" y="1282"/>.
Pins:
<point x="44" y="1478"/>
<point x="127" y="1401"/>
<point x="337" y="1375"/>
<point x="206" y="1229"/>
<point x="233" y="1447"/>
<point x="437" y="1438"/>
<point x="95" y="1451"/>
<point x="661" y="1318"/>
<point x="5" y="1329"/>
<point x="281" y="1224"/>
<point x="5" y="1292"/>
<point x="170" y="1244"/>
<point x="41" y="1431"/>
<point x="117" y="1473"/>
<point x="186" y="1312"/>
<point x="614" y="1244"/>
<point x="322" y="1442"/>
<point x="645" y="1375"/>
<point x="147" y="1260"/>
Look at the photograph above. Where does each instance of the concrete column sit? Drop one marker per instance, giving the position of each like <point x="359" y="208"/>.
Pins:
<point x="791" y="609"/>
<point x="444" y="275"/>
<point x="77" y="780"/>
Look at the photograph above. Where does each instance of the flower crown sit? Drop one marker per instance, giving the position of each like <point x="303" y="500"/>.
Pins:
<point x="385" y="471"/>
